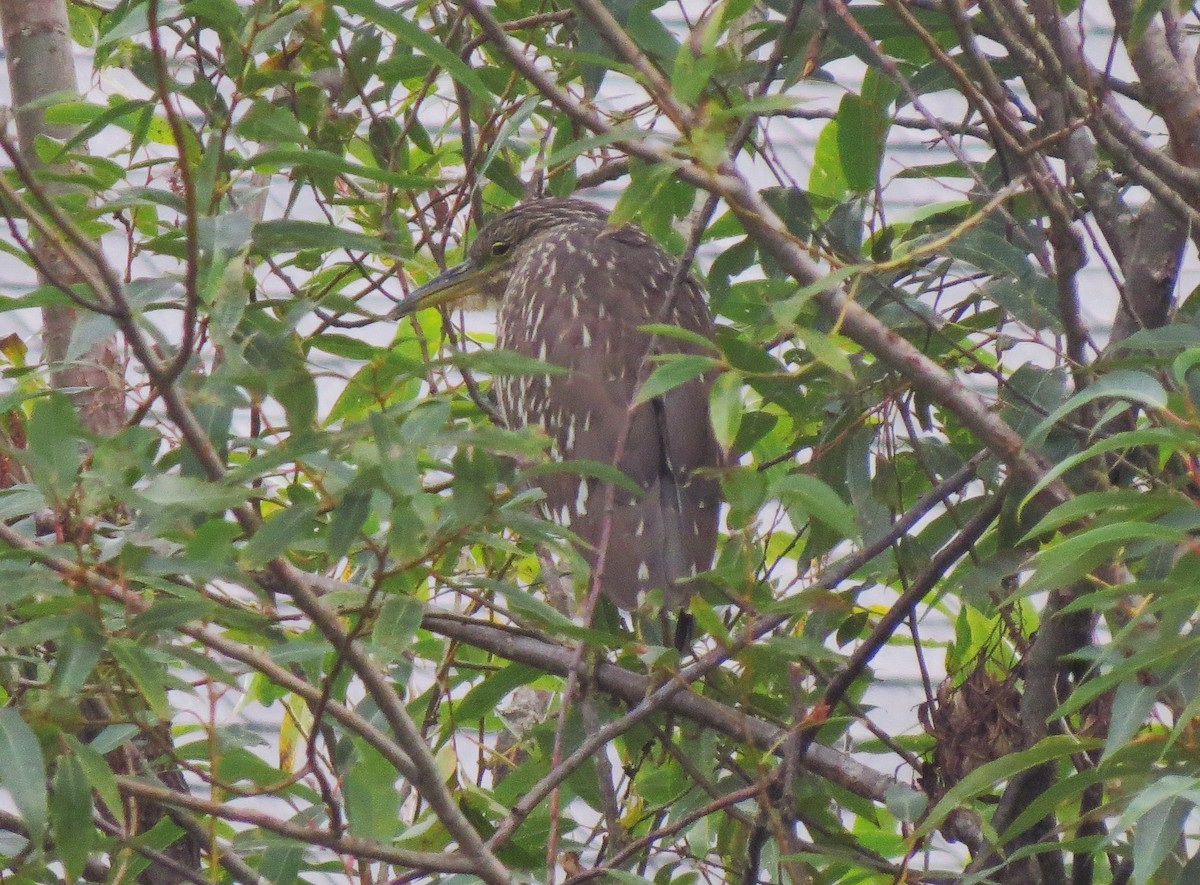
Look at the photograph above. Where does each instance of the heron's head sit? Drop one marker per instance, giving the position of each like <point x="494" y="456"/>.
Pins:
<point x="497" y="249"/>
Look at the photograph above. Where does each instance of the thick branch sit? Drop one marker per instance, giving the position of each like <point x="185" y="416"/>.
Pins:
<point x="633" y="688"/>
<point x="352" y="846"/>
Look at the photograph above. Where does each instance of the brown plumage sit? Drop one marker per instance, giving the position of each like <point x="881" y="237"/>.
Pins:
<point x="573" y="292"/>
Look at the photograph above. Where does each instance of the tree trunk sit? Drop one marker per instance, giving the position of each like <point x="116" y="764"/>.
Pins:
<point x="40" y="63"/>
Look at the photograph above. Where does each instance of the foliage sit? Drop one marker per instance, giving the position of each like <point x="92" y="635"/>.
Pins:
<point x="313" y="554"/>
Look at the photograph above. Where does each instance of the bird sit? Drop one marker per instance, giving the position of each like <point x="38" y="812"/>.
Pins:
<point x="575" y="292"/>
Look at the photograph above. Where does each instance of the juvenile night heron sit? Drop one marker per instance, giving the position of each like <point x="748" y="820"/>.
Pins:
<point x="573" y="291"/>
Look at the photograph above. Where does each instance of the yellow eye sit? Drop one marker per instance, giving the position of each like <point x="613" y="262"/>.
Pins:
<point x="499" y="248"/>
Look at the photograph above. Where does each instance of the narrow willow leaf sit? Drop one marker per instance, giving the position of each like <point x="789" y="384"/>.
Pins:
<point x="284" y="235"/>
<point x="484" y="697"/>
<point x="859" y="142"/>
<point x="71" y="816"/>
<point x="278" y="533"/>
<point x="1076" y="555"/>
<point x="100" y="777"/>
<point x="405" y="29"/>
<point x="327" y="162"/>
<point x="23" y="771"/>
<point x="372" y="801"/>
<point x="986" y="776"/>
<point x="1137" y="388"/>
<point x="146" y="673"/>
<point x="397" y="623"/>
<point x="1157" y="834"/>
<point x="726" y="407"/>
<point x="819" y="501"/>
<point x="674" y="371"/>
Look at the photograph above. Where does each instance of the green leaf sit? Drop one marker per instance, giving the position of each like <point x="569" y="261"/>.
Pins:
<point x="147" y="673"/>
<point x="1132" y="703"/>
<point x="576" y="147"/>
<point x="372" y="802"/>
<point x="819" y="501"/>
<point x="1167" y="438"/>
<point x="269" y="123"/>
<point x="344" y="346"/>
<point x="1163" y="789"/>
<point x="397" y="623"/>
<point x="1137" y="388"/>
<point x="53" y="431"/>
<point x="278" y="533"/>
<point x="1159" y="831"/>
<point x="18" y="502"/>
<point x="622" y="877"/>
<point x="223" y="14"/>
<point x="348" y="519"/>
<point x="281" y="863"/>
<point x="666" y="330"/>
<point x="676" y="369"/>
<point x="827" y="178"/>
<point x="484" y="697"/>
<point x="988" y="775"/>
<point x="691" y="73"/>
<point x="825" y="349"/>
<point x="726" y="407"/>
<point x="860" y="143"/>
<point x="1144" y="12"/>
<point x="71" y="816"/>
<point x="94" y="118"/>
<point x="170" y="614"/>
<point x="1052" y="798"/>
<point x="79" y="650"/>
<point x="708" y="619"/>
<point x="407" y="31"/>
<point x="528" y="606"/>
<point x="582" y="467"/>
<point x="504" y="362"/>
<point x="124" y="22"/>
<point x="1077" y="555"/>
<point x="100" y="777"/>
<point x="327" y="162"/>
<point x="1135" y="502"/>
<point x="1031" y="299"/>
<point x="277" y="30"/>
<point x="23" y="771"/>
<point x="296" y="390"/>
<point x="273" y="237"/>
<point x="1182" y="364"/>
<point x="192" y="495"/>
<point x="905" y="803"/>
<point x="991" y="253"/>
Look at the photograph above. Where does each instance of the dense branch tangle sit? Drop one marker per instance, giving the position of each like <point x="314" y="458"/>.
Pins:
<point x="366" y="546"/>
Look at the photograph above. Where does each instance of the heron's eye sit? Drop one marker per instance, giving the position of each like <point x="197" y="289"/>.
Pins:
<point x="499" y="249"/>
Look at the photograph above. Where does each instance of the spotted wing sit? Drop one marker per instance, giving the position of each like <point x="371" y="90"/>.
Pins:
<point x="584" y="293"/>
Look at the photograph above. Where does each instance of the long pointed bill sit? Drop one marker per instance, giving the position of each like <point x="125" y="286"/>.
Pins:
<point x="455" y="283"/>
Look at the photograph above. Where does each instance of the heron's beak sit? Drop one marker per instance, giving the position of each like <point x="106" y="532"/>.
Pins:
<point x="456" y="283"/>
